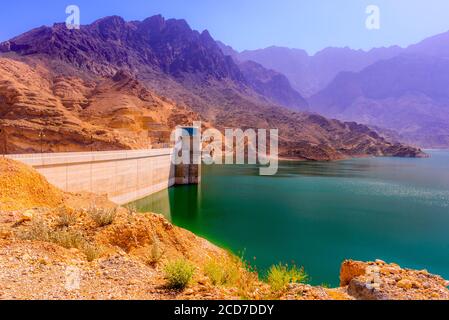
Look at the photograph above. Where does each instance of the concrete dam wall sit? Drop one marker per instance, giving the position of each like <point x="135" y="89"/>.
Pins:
<point x="124" y="176"/>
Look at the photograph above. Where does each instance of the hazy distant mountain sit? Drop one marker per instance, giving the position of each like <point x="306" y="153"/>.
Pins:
<point x="309" y="74"/>
<point x="268" y="83"/>
<point x="408" y="93"/>
<point x="405" y="90"/>
<point x="434" y="46"/>
<point x="107" y="81"/>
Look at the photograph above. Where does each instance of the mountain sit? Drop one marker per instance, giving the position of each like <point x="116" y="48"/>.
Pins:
<point x="111" y="83"/>
<point x="268" y="83"/>
<point x="309" y="74"/>
<point x="153" y="45"/>
<point x="273" y="85"/>
<point x="408" y="93"/>
<point x="433" y="46"/>
<point x="43" y="111"/>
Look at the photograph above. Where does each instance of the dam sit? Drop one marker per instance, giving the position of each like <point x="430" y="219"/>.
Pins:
<point x="123" y="176"/>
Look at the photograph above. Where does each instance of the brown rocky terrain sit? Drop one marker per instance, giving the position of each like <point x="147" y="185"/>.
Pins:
<point x="41" y="240"/>
<point x="41" y="111"/>
<point x="113" y="83"/>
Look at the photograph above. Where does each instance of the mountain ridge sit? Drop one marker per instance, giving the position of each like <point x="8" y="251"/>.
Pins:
<point x="408" y="93"/>
<point x="169" y="60"/>
<point x="392" y="89"/>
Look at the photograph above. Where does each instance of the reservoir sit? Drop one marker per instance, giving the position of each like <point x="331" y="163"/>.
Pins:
<point x="317" y="214"/>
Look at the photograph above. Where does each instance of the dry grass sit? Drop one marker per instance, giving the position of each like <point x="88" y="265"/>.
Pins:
<point x="102" y="216"/>
<point x="38" y="231"/>
<point x="234" y="272"/>
<point x="223" y="273"/>
<point x="155" y="253"/>
<point x="91" y="251"/>
<point x="247" y="284"/>
<point x="66" y="238"/>
<point x="66" y="217"/>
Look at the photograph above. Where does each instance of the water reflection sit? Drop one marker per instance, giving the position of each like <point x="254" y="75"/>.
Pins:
<point x="185" y="201"/>
<point x="157" y="203"/>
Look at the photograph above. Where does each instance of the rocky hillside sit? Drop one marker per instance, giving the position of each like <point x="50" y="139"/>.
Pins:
<point x="110" y="83"/>
<point x="41" y="111"/>
<point x="154" y="45"/>
<point x="120" y="254"/>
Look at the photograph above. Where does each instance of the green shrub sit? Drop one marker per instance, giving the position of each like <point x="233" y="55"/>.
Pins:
<point x="178" y="274"/>
<point x="222" y="274"/>
<point x="103" y="217"/>
<point x="279" y="276"/>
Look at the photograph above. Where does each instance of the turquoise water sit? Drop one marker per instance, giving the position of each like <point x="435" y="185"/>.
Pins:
<point x="318" y="214"/>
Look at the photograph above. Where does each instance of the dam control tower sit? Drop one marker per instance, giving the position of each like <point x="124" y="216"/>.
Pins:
<point x="187" y="155"/>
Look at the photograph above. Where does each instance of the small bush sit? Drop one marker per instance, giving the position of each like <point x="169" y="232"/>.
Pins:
<point x="279" y="276"/>
<point x="155" y="253"/>
<point x="38" y="231"/>
<point x="178" y="274"/>
<point x="247" y="284"/>
<point x="71" y="239"/>
<point x="68" y="239"/>
<point x="103" y="217"/>
<point x="66" y="218"/>
<point x="222" y="274"/>
<point x="91" y="251"/>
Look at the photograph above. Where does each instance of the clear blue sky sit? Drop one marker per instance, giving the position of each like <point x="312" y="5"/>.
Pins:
<point x="251" y="24"/>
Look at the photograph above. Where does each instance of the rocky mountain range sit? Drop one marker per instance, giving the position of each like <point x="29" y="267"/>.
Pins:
<point x="403" y="92"/>
<point x="118" y="84"/>
<point x="408" y="93"/>
<point x="309" y="74"/>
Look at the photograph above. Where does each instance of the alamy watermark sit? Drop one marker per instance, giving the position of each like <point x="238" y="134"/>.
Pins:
<point x="72" y="278"/>
<point x="73" y="21"/>
<point x="373" y="281"/>
<point x="234" y="146"/>
<point x="373" y="20"/>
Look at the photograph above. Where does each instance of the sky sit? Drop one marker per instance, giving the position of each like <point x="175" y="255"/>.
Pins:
<point x="253" y="24"/>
